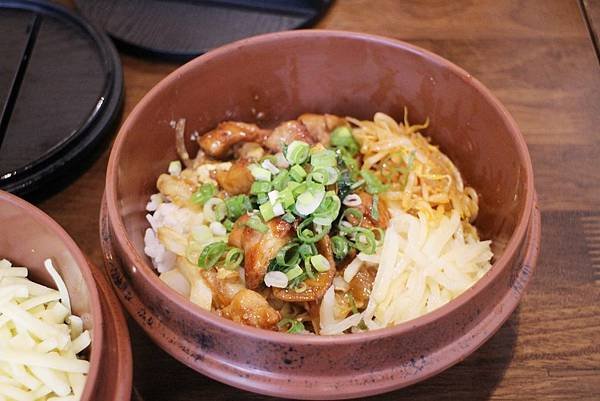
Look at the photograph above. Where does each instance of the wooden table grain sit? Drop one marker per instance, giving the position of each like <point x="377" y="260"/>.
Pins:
<point x="539" y="59"/>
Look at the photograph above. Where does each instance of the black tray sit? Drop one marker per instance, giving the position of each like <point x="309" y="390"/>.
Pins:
<point x="61" y="87"/>
<point x="183" y="29"/>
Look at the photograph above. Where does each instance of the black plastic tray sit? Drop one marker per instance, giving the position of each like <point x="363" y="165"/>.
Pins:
<point x="61" y="88"/>
<point x="183" y="29"/>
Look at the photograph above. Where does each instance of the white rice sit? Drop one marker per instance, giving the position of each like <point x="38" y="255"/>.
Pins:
<point x="169" y="215"/>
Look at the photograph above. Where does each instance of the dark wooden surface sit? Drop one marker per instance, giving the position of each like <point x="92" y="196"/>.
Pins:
<point x="538" y="58"/>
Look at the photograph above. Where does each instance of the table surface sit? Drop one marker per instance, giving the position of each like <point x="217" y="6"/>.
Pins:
<point x="539" y="58"/>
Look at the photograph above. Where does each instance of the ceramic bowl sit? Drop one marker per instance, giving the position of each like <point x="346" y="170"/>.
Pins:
<point x="271" y="78"/>
<point x="28" y="238"/>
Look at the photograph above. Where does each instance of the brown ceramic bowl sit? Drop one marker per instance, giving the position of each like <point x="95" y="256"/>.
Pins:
<point x="279" y="76"/>
<point x="28" y="238"/>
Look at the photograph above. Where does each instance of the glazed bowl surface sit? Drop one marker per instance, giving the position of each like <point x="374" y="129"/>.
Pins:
<point x="29" y="236"/>
<point x="276" y="77"/>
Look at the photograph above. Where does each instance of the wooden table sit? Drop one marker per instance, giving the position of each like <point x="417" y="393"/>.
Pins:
<point x="539" y="59"/>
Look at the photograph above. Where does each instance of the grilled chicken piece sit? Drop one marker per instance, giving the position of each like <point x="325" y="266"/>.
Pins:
<point x="366" y="207"/>
<point x="259" y="249"/>
<point x="285" y="133"/>
<point x="223" y="290"/>
<point x="251" y="151"/>
<point x="220" y="142"/>
<point x="237" y="180"/>
<point x="321" y="125"/>
<point x="315" y="288"/>
<point x="177" y="189"/>
<point x="250" y="308"/>
<point x="361" y="286"/>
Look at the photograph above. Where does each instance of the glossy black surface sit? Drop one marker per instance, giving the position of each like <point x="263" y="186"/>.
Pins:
<point x="60" y="92"/>
<point x="185" y="29"/>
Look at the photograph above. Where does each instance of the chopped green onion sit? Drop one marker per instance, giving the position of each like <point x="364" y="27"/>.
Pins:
<point x="237" y="206"/>
<point x="307" y="250"/>
<point x="294" y="272"/>
<point x="342" y="137"/>
<point x="297" y="152"/>
<point x="308" y="268"/>
<point x="297" y="173"/>
<point x="352" y="302"/>
<point x="262" y="198"/>
<point x="256" y="224"/>
<point x="288" y="218"/>
<point x="286" y="197"/>
<point x="328" y="210"/>
<point x="281" y="180"/>
<point x="318" y="175"/>
<point x="320" y="263"/>
<point x="374" y="186"/>
<point x="233" y="258"/>
<point x="204" y="193"/>
<point x="299" y="189"/>
<point x="259" y="173"/>
<point x="266" y="211"/>
<point x="220" y="211"/>
<point x="350" y="162"/>
<point x="351" y="211"/>
<point x="308" y="201"/>
<point x="307" y="235"/>
<point x="339" y="246"/>
<point x="288" y="255"/>
<point x="323" y="158"/>
<point x="211" y="254"/>
<point x="296" y="326"/>
<point x="333" y="173"/>
<point x="293" y="185"/>
<point x="364" y="240"/>
<point x="260" y="187"/>
<point x="214" y="209"/>
<point x="375" y="207"/>
<point x="357" y="184"/>
<point x="228" y="225"/>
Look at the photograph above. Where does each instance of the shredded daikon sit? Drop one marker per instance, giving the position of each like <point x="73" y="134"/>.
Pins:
<point x="39" y="339"/>
<point x="423" y="264"/>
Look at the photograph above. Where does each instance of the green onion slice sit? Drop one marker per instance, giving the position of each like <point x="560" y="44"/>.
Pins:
<point x="296" y="326"/>
<point x="374" y="186"/>
<point x="289" y="254"/>
<point x="256" y="224"/>
<point x="204" y="193"/>
<point x="342" y="137"/>
<point x="320" y="263"/>
<point x="340" y="247"/>
<point x="233" y="258"/>
<point x="323" y="158"/>
<point x="237" y="206"/>
<point x="297" y="152"/>
<point x="310" y="235"/>
<point x="328" y="210"/>
<point x="211" y="254"/>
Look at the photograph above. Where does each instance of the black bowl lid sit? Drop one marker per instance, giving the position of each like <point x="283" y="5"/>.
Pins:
<point x="183" y="29"/>
<point x="60" y="93"/>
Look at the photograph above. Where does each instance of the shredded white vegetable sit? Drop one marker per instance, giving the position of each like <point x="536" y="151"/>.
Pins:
<point x="39" y="339"/>
<point x="422" y="266"/>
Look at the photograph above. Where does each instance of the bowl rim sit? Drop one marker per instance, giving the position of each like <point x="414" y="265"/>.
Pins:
<point x="86" y="272"/>
<point x="151" y="278"/>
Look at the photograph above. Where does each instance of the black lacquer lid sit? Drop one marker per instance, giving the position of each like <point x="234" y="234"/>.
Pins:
<point x="61" y="88"/>
<point x="183" y="29"/>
